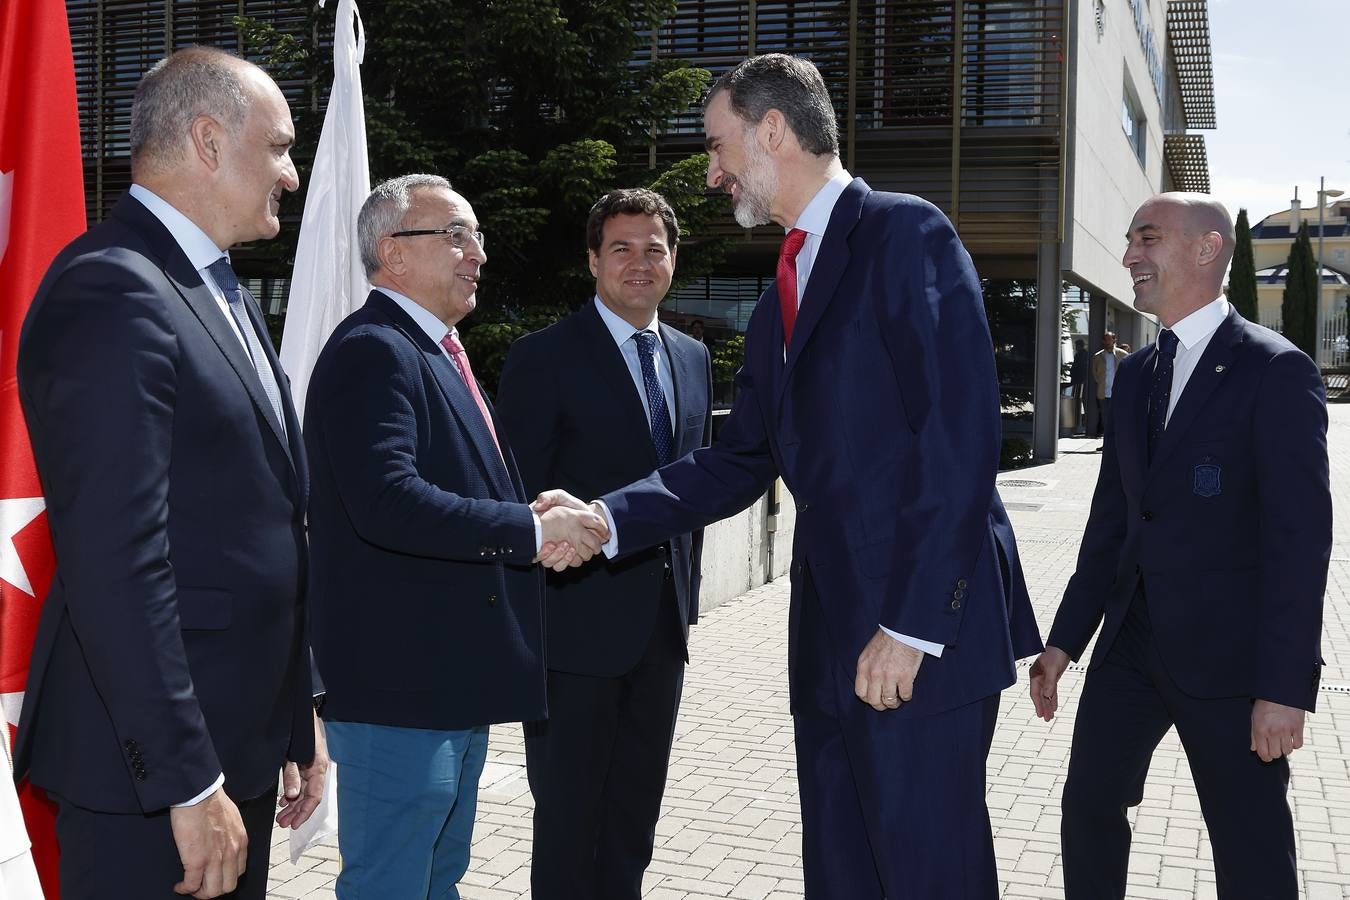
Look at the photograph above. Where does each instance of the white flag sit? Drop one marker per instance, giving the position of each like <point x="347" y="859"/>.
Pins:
<point x="328" y="282"/>
<point x="18" y="877"/>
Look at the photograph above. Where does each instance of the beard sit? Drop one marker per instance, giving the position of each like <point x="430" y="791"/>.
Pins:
<point x="759" y="185"/>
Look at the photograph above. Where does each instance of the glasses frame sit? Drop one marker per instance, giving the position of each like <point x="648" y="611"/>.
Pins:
<point x="459" y="235"/>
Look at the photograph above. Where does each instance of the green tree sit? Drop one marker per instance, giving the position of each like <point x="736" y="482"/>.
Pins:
<point x="1299" y="307"/>
<point x="533" y="109"/>
<point x="1242" y="277"/>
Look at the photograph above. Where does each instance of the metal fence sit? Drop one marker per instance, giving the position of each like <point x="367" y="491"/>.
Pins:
<point x="1335" y="336"/>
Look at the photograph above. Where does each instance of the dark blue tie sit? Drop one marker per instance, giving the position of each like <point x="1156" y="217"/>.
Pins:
<point x="234" y="298"/>
<point x="656" y="398"/>
<point x="1160" y="393"/>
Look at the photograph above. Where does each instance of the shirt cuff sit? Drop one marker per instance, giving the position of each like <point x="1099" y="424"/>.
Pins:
<point x="538" y="532"/>
<point x="220" y="779"/>
<point x="928" y="647"/>
<point x="610" y="547"/>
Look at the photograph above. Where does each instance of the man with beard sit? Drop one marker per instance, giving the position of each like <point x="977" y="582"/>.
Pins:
<point x="869" y="386"/>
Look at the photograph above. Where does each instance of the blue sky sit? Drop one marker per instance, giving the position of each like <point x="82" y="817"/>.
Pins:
<point x="1282" y="92"/>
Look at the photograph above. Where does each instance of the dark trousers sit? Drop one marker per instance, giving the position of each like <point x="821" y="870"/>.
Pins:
<point x="597" y="770"/>
<point x="1129" y="702"/>
<point x="1103" y="414"/>
<point x="111" y="855"/>
<point x="892" y="807"/>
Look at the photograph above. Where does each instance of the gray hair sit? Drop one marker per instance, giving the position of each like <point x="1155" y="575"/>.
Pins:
<point x="195" y="81"/>
<point x="384" y="211"/>
<point x="790" y="85"/>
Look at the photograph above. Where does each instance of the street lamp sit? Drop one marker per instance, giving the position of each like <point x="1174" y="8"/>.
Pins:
<point x="1322" y="194"/>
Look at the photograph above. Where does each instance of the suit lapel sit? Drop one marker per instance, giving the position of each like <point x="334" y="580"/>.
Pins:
<point x="198" y="297"/>
<point x="1128" y="413"/>
<point x="681" y="377"/>
<point x="456" y="394"/>
<point x="832" y="259"/>
<point x="1209" y="372"/>
<point x="630" y="415"/>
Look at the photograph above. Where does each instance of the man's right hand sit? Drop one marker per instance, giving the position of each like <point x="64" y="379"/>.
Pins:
<point x="1045" y="674"/>
<point x="212" y="844"/>
<point x="570" y="536"/>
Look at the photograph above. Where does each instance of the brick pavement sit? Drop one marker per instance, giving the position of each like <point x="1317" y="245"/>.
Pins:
<point x="730" y="826"/>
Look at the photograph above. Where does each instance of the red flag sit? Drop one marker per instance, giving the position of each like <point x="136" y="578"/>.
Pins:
<point x="41" y="210"/>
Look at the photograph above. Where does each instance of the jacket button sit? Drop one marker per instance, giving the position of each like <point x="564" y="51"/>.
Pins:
<point x="803" y="507"/>
<point x="958" y="595"/>
<point x="1146" y="515"/>
<point x="956" y="602"/>
<point x="492" y="599"/>
<point x="962" y="584"/>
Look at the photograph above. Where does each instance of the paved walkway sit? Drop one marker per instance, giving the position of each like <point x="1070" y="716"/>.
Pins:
<point x="730" y="826"/>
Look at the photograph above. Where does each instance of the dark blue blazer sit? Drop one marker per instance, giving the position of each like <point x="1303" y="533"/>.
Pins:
<point x="884" y="422"/>
<point x="589" y="438"/>
<point x="1229" y="529"/>
<point x="427" y="610"/>
<point x="171" y="647"/>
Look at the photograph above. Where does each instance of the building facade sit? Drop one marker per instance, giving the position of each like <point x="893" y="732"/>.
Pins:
<point x="1038" y="126"/>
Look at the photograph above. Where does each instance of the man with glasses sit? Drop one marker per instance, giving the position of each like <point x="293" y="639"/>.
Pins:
<point x="428" y="617"/>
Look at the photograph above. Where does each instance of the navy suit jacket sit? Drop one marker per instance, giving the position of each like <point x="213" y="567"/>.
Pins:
<point x="427" y="610"/>
<point x="171" y="647"/>
<point x="591" y="438"/>
<point x="884" y="422"/>
<point x="1229" y="528"/>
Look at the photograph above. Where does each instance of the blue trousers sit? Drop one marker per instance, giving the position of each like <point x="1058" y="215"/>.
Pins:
<point x="406" y="803"/>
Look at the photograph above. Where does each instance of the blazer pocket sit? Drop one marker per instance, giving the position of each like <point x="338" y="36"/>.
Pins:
<point x="204" y="609"/>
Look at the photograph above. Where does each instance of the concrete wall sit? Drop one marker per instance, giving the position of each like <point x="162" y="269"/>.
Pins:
<point x="740" y="553"/>
<point x="1107" y="182"/>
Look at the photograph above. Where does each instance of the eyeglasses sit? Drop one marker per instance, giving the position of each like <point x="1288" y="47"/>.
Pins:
<point x="459" y="235"/>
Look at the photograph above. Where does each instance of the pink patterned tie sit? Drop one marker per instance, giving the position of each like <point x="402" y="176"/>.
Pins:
<point x="461" y="361"/>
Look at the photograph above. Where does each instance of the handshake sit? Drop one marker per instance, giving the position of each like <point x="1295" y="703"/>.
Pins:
<point x="573" y="531"/>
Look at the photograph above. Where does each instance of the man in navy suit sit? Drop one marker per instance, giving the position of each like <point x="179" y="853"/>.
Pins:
<point x="428" y="615"/>
<point x="869" y="386"/>
<point x="1204" y="561"/>
<point x="170" y="676"/>
<point x="639" y="395"/>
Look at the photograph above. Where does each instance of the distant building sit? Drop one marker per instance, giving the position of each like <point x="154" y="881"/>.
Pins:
<point x="1271" y="240"/>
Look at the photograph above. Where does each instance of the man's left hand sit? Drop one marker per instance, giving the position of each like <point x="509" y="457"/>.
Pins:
<point x="1277" y="730"/>
<point x="886" y="671"/>
<point x="302" y="784"/>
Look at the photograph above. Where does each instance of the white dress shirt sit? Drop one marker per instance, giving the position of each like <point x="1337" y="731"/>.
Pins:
<point x="623" y="334"/>
<point x="814" y="219"/>
<point x="200" y="250"/>
<point x="1193" y="335"/>
<point x="437" y="330"/>
<point x="1110" y="371"/>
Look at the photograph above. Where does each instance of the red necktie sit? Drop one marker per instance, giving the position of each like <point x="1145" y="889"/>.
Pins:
<point x="461" y="361"/>
<point x="787" y="280"/>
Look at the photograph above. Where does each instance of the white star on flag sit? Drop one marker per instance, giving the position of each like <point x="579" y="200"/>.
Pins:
<point x="15" y="516"/>
<point x="10" y="705"/>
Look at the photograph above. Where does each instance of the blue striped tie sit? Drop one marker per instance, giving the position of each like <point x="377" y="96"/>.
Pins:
<point x="656" y="398"/>
<point x="234" y="297"/>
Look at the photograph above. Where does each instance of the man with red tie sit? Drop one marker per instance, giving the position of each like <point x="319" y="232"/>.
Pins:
<point x="428" y="618"/>
<point x="869" y="386"/>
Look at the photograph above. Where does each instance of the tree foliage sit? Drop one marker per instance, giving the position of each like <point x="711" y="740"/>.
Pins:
<point x="1242" y="277"/>
<point x="532" y="109"/>
<point x="1299" y="307"/>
